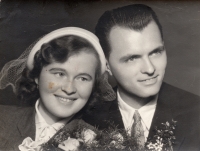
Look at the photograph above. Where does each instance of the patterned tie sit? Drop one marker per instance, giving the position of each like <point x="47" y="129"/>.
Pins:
<point x="137" y="131"/>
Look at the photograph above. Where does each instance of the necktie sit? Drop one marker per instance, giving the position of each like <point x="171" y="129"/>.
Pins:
<point x="137" y="131"/>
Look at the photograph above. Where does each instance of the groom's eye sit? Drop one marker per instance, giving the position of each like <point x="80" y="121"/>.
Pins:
<point x="132" y="58"/>
<point x="157" y="51"/>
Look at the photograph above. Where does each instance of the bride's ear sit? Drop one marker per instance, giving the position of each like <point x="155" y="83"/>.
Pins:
<point x="108" y="68"/>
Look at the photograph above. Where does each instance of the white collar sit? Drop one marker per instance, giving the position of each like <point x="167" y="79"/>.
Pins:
<point x="146" y="112"/>
<point x="41" y="123"/>
<point x="40" y="120"/>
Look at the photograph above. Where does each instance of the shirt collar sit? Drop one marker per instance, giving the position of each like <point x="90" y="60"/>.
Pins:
<point x="40" y="121"/>
<point x="125" y="108"/>
<point x="146" y="112"/>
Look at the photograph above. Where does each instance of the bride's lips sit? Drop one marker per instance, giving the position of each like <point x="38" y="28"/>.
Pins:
<point x="65" y="100"/>
<point x="149" y="81"/>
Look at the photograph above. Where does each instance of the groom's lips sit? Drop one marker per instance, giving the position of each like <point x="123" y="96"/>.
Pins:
<point x="149" y="81"/>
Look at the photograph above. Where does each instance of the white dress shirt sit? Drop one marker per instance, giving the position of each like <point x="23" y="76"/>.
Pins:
<point x="45" y="131"/>
<point x="146" y="112"/>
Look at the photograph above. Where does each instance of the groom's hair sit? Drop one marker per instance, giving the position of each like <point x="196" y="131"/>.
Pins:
<point x="135" y="17"/>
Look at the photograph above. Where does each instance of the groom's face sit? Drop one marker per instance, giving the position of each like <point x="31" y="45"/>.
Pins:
<point x="137" y="60"/>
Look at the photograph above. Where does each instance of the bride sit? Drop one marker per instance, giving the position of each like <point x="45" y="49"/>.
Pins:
<point x="59" y="74"/>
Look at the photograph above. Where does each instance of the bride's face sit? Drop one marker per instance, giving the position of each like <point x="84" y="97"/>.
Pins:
<point x="65" y="87"/>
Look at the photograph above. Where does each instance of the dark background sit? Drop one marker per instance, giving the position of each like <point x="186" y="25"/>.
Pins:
<point x="22" y="22"/>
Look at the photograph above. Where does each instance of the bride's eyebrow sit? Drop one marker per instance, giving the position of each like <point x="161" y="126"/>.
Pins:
<point x="63" y="70"/>
<point x="57" y="69"/>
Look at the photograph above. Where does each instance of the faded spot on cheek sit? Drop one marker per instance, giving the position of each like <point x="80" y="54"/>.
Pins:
<point x="51" y="84"/>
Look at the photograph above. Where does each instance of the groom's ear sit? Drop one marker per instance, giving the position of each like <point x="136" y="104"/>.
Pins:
<point x="108" y="68"/>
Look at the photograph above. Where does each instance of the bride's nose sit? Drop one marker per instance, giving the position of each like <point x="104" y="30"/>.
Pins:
<point x="69" y="87"/>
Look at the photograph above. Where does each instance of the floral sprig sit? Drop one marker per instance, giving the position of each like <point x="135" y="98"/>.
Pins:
<point x="164" y="138"/>
<point x="112" y="139"/>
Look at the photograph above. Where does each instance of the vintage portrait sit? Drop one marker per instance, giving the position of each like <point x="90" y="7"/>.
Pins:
<point x="95" y="75"/>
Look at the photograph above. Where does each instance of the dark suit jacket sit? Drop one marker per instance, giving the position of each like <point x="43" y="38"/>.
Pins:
<point x="16" y="123"/>
<point x="173" y="103"/>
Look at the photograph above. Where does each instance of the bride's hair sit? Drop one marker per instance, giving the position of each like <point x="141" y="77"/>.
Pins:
<point x="57" y="50"/>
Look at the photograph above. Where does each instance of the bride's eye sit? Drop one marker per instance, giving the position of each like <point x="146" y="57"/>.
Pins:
<point x="83" y="79"/>
<point x="59" y="74"/>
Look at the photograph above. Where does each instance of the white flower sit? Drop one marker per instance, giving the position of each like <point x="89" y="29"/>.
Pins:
<point x="70" y="144"/>
<point x="156" y="146"/>
<point x="118" y="137"/>
<point x="117" y="140"/>
<point x="112" y="142"/>
<point x="116" y="145"/>
<point x="88" y="136"/>
<point x="29" y="145"/>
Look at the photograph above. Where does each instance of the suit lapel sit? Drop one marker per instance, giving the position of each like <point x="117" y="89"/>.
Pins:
<point x="115" y="115"/>
<point x="162" y="114"/>
<point x="26" y="126"/>
<point x="165" y="111"/>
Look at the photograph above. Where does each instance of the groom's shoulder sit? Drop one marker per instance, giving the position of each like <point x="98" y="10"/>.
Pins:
<point x="176" y="95"/>
<point x="183" y="105"/>
<point x="185" y="109"/>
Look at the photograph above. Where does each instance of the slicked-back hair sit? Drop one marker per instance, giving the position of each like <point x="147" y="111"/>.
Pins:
<point x="135" y="17"/>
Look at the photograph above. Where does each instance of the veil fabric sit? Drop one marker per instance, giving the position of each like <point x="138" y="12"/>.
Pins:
<point x="12" y="71"/>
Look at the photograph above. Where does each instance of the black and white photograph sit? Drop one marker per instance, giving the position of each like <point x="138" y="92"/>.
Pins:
<point x="99" y="75"/>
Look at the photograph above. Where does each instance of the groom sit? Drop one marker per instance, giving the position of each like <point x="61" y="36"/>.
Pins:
<point x="132" y="40"/>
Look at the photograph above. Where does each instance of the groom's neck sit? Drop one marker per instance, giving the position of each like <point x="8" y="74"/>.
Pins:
<point x="135" y="101"/>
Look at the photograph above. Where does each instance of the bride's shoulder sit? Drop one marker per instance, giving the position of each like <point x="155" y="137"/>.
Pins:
<point x="7" y="111"/>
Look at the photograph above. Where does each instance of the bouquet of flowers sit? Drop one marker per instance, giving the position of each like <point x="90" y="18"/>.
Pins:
<point x="87" y="138"/>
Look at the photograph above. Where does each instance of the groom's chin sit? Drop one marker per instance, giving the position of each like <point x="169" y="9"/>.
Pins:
<point x="149" y="91"/>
